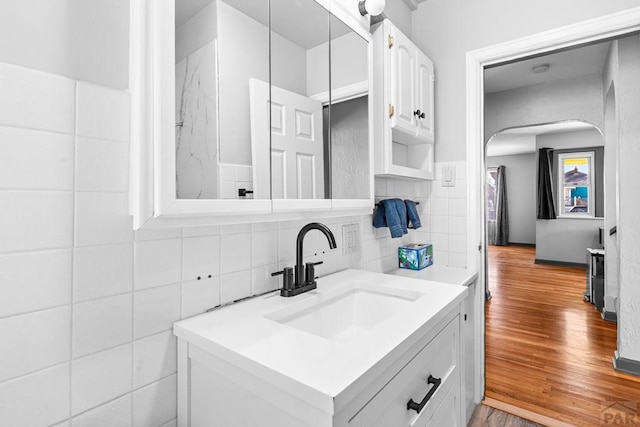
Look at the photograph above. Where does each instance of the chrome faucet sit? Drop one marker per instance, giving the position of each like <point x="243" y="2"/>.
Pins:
<point x="302" y="278"/>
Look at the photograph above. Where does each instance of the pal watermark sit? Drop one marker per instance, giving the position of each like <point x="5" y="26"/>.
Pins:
<point x="619" y="413"/>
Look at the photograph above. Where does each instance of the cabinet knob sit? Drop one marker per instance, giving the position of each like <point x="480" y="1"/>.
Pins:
<point x="419" y="114"/>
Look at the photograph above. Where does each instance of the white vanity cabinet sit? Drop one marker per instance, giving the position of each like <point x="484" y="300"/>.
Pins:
<point x="403" y="105"/>
<point x="257" y="370"/>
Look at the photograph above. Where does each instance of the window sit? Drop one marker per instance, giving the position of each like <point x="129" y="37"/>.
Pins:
<point x="575" y="184"/>
<point x="491" y="193"/>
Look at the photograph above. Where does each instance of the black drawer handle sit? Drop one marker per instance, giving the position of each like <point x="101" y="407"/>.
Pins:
<point x="419" y="406"/>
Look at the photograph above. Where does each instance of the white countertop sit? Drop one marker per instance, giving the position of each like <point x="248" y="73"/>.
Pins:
<point x="440" y="273"/>
<point x="318" y="369"/>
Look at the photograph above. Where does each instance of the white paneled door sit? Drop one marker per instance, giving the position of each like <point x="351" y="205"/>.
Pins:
<point x="297" y="158"/>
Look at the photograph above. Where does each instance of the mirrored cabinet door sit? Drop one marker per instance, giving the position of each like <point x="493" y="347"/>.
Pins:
<point x="300" y="155"/>
<point x="349" y="113"/>
<point x="221" y="50"/>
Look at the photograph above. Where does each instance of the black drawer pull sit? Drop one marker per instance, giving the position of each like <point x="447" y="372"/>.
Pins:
<point x="419" y="406"/>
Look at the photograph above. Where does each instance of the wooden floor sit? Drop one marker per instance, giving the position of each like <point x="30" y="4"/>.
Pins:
<point x="486" y="416"/>
<point x="547" y="350"/>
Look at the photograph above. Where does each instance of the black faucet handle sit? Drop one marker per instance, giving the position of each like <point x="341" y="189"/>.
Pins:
<point x="316" y="263"/>
<point x="287" y="280"/>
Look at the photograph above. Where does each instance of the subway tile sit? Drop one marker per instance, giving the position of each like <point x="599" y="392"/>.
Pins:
<point x="101" y="324"/>
<point x="63" y="424"/>
<point x="35" y="160"/>
<point x="262" y="280"/>
<point x="458" y="207"/>
<point x="439" y="223"/>
<point x="101" y="377"/>
<point x="458" y="243"/>
<point x="144" y="234"/>
<point x="116" y="413"/>
<point x="200" y="257"/>
<point x="438" y="191"/>
<point x="154" y="358"/>
<point x="287" y="243"/>
<point x="459" y="191"/>
<point x="34" y="341"/>
<point x="264" y="248"/>
<point x="237" y="252"/>
<point x="36" y="100"/>
<point x="172" y="423"/>
<point x="102" y="219"/>
<point x="101" y="165"/>
<point x="35" y="220"/>
<point x="439" y="206"/>
<point x="199" y="295"/>
<point x="234" y="286"/>
<point x="458" y="225"/>
<point x="209" y="230"/>
<point x="157" y="263"/>
<point x="155" y="404"/>
<point x="102" y="113"/>
<point x="264" y="226"/>
<point x="38" y="399"/>
<point x="441" y="258"/>
<point x="440" y="242"/>
<point x="34" y="281"/>
<point x="235" y="228"/>
<point x="101" y="271"/>
<point x="457" y="260"/>
<point x="155" y="310"/>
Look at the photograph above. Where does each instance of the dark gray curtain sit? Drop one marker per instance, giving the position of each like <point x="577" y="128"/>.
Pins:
<point x="545" y="206"/>
<point x="502" y="210"/>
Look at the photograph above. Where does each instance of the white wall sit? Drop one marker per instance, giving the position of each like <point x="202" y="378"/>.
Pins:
<point x="446" y="29"/>
<point x="521" y="195"/>
<point x="199" y="30"/>
<point x="624" y="75"/>
<point x="566" y="239"/>
<point x="83" y="40"/>
<point x="579" y="98"/>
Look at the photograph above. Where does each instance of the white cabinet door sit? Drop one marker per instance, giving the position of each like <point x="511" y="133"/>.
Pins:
<point x="448" y="413"/>
<point x="424" y="93"/>
<point x="403" y="68"/>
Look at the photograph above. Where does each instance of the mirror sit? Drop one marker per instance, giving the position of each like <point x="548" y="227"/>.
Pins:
<point x="220" y="47"/>
<point x="299" y="82"/>
<point x="349" y="113"/>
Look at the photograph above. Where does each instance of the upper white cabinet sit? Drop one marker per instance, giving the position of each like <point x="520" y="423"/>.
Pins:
<point x="403" y="105"/>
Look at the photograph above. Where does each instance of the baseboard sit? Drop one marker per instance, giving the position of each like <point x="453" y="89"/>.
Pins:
<point x="524" y="413"/>
<point x="529" y="245"/>
<point x="626" y="365"/>
<point x="560" y="263"/>
<point x="610" y="316"/>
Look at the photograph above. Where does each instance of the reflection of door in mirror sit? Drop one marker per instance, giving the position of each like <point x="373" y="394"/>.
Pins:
<point x="220" y="46"/>
<point x="299" y="74"/>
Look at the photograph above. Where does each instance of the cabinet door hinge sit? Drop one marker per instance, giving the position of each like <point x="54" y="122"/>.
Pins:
<point x="390" y="41"/>
<point x="392" y="110"/>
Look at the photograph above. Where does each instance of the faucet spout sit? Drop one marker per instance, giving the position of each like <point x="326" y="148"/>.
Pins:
<point x="303" y="232"/>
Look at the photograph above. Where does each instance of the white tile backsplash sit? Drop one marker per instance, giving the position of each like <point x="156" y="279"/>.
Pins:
<point x="155" y="310"/>
<point x="128" y="288"/>
<point x="34" y="341"/>
<point x="157" y="263"/>
<point x="38" y="399"/>
<point x="102" y="113"/>
<point x="155" y="405"/>
<point x="35" y="220"/>
<point x="101" y="324"/>
<point x="102" y="218"/>
<point x="102" y="166"/>
<point x="154" y="358"/>
<point x="35" y="160"/>
<point x="100" y="377"/>
<point x="35" y="100"/>
<point x="116" y="413"/>
<point x="34" y="281"/>
<point x="102" y="271"/>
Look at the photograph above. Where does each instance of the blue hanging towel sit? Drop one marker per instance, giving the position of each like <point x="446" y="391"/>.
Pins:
<point x="412" y="213"/>
<point x="391" y="213"/>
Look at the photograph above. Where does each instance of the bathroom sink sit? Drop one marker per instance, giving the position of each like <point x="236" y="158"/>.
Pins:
<point x="355" y="309"/>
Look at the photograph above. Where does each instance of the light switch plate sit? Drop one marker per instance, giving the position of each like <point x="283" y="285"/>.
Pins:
<point x="350" y="238"/>
<point x="448" y="176"/>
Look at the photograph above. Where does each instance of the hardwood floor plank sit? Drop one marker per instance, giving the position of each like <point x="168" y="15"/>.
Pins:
<point x="547" y="350"/>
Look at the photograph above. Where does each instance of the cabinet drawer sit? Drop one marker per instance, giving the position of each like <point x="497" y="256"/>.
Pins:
<point x="440" y="359"/>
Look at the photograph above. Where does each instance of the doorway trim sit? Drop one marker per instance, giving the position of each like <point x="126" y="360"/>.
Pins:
<point x="592" y="30"/>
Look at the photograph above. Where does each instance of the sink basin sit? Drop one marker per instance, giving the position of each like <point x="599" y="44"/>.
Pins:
<point x="344" y="316"/>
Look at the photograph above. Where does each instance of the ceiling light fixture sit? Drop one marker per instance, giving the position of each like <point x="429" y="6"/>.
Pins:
<point x="371" y="7"/>
<point x="540" y="69"/>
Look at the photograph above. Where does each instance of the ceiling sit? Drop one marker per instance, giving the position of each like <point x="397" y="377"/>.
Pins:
<point x="581" y="61"/>
<point x="304" y="22"/>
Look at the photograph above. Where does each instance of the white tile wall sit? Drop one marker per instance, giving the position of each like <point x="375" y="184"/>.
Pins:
<point x="106" y="297"/>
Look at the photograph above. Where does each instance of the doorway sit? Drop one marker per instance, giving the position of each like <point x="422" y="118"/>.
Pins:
<point x="601" y="29"/>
